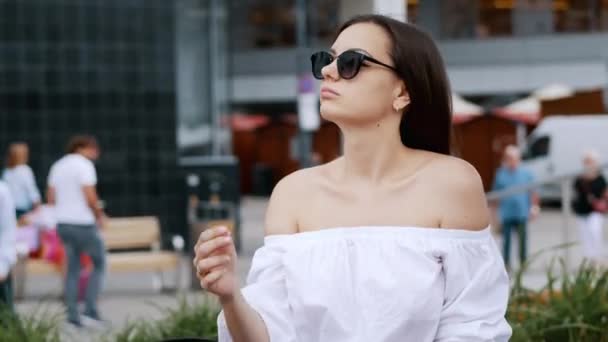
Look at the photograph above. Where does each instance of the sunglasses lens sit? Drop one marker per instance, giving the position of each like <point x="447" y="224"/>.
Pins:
<point x="319" y="61"/>
<point x="349" y="64"/>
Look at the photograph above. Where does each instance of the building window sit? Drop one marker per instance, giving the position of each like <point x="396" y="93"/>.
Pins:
<point x="538" y="148"/>
<point x="580" y="15"/>
<point x="412" y="11"/>
<point x="495" y="19"/>
<point x="273" y="23"/>
<point x="603" y="22"/>
<point x="459" y="18"/>
<point x="466" y="19"/>
<point x="324" y="20"/>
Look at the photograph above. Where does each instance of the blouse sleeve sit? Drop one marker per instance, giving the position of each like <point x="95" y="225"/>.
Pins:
<point x="267" y="294"/>
<point x="476" y="293"/>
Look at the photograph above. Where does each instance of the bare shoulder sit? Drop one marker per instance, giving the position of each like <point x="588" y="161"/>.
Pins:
<point x="462" y="195"/>
<point x="286" y="201"/>
<point x="460" y="171"/>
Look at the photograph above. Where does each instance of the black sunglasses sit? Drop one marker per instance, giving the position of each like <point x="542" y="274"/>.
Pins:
<point x="349" y="63"/>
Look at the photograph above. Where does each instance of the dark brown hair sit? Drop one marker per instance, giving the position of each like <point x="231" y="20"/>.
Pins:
<point x="78" y="142"/>
<point x="426" y="122"/>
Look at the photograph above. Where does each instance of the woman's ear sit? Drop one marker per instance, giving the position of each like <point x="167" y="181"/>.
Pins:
<point x="402" y="98"/>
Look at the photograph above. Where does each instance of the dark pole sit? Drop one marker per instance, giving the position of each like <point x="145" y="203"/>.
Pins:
<point x="304" y="81"/>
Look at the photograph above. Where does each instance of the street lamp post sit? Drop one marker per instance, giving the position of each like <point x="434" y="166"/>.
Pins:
<point x="308" y="110"/>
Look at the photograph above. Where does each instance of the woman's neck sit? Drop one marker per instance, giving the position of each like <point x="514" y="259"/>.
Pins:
<point x="372" y="154"/>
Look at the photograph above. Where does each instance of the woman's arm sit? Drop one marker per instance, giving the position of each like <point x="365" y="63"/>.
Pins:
<point x="215" y="264"/>
<point x="8" y="227"/>
<point x="242" y="321"/>
<point x="32" y="188"/>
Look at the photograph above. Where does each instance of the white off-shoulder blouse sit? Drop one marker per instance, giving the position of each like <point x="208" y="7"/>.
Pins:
<point x="380" y="284"/>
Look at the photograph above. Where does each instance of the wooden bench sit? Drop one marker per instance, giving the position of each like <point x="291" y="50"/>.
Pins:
<point x="120" y="234"/>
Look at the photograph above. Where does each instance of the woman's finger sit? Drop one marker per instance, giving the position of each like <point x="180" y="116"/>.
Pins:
<point x="210" y="233"/>
<point x="207" y="265"/>
<point x="212" y="277"/>
<point x="208" y="247"/>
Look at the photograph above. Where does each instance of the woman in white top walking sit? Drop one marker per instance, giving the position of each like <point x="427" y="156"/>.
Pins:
<point x="8" y="252"/>
<point x="20" y="179"/>
<point x="388" y="243"/>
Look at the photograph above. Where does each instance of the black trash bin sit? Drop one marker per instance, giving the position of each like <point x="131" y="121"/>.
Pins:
<point x="213" y="191"/>
<point x="213" y="180"/>
<point x="262" y="180"/>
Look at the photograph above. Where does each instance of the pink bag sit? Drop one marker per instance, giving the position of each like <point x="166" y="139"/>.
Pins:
<point x="83" y="282"/>
<point x="51" y="248"/>
<point x="28" y="236"/>
<point x="52" y="251"/>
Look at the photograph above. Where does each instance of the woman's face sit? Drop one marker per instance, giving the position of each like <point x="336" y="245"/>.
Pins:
<point x="375" y="92"/>
<point x="22" y="153"/>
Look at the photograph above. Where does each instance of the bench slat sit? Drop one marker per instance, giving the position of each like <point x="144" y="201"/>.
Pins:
<point x="117" y="262"/>
<point x="131" y="232"/>
<point x="142" y="261"/>
<point x="37" y="266"/>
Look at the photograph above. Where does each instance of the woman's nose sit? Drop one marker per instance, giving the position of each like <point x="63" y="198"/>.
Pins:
<point x="330" y="71"/>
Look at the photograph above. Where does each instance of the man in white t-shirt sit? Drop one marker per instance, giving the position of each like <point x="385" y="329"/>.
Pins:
<point x="72" y="190"/>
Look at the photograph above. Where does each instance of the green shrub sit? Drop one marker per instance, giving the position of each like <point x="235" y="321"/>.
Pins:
<point x="196" y="319"/>
<point x="571" y="307"/>
<point x="35" y="327"/>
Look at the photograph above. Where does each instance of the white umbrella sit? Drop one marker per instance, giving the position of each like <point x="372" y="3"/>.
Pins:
<point x="527" y="110"/>
<point x="463" y="110"/>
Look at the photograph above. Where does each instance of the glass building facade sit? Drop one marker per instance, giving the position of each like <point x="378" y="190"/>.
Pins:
<point x="109" y="68"/>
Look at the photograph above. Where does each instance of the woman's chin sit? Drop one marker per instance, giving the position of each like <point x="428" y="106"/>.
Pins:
<point x="341" y="116"/>
<point x="329" y="112"/>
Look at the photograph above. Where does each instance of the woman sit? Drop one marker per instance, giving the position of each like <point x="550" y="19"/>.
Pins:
<point x="347" y="254"/>
<point x="20" y="179"/>
<point x="8" y="254"/>
<point x="590" y="204"/>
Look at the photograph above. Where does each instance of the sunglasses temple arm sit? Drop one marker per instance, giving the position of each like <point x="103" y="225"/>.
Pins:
<point x="373" y="60"/>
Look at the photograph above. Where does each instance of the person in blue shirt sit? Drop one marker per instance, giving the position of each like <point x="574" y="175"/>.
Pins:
<point x="515" y="210"/>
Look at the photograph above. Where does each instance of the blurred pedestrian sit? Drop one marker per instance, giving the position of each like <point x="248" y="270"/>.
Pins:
<point x="20" y="179"/>
<point x="590" y="203"/>
<point x="8" y="252"/>
<point x="515" y="210"/>
<point x="72" y="189"/>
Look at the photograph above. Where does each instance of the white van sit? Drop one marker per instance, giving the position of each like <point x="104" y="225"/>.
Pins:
<point x="557" y="145"/>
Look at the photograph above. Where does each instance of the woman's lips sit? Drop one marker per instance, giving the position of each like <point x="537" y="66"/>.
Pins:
<point x="327" y="92"/>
